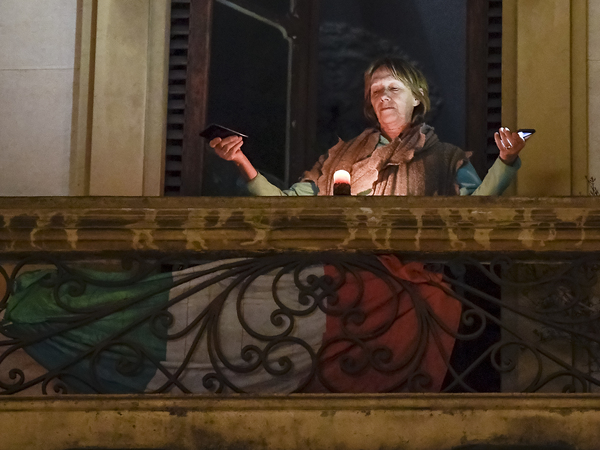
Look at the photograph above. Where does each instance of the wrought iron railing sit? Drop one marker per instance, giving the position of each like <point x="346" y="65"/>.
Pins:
<point x="299" y="322"/>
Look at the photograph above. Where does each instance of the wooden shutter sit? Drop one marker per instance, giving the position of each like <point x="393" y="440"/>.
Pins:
<point x="484" y="81"/>
<point x="188" y="81"/>
<point x="180" y="30"/>
<point x="494" y="79"/>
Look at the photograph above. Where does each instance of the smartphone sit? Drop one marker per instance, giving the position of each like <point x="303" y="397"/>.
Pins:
<point x="525" y="133"/>
<point x="219" y="131"/>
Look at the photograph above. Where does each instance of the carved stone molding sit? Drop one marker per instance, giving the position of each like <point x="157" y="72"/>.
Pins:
<point x="410" y="224"/>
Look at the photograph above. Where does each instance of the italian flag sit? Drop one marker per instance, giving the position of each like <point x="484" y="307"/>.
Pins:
<point x="261" y="325"/>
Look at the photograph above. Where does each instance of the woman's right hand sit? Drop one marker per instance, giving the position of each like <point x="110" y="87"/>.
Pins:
<point x="229" y="148"/>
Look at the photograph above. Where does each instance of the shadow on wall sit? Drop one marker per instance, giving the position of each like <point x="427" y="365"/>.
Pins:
<point x="467" y="447"/>
<point x="514" y="447"/>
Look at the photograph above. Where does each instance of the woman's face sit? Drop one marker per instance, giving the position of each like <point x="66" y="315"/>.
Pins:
<point x="391" y="99"/>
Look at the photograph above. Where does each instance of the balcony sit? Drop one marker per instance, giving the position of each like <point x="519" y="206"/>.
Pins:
<point x="382" y="312"/>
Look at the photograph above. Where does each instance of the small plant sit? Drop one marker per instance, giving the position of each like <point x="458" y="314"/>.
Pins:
<point x="592" y="189"/>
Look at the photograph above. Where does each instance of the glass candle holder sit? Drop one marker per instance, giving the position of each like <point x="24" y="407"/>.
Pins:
<point x="341" y="183"/>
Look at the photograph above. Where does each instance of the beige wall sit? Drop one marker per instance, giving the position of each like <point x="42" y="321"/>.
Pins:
<point x="594" y="88"/>
<point x="37" y="65"/>
<point x="83" y="96"/>
<point x="545" y="87"/>
<point x="128" y="135"/>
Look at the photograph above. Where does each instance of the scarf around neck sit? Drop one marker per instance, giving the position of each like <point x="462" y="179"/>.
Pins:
<point x="389" y="169"/>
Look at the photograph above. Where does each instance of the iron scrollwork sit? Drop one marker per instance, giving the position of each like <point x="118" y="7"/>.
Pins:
<point x="299" y="323"/>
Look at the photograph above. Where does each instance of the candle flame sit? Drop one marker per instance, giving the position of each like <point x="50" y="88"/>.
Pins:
<point x="341" y="176"/>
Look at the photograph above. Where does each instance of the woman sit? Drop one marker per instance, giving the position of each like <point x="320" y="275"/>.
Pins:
<point x="401" y="155"/>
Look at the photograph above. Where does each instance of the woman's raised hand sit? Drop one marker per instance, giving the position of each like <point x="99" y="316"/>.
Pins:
<point x="510" y="145"/>
<point x="228" y="148"/>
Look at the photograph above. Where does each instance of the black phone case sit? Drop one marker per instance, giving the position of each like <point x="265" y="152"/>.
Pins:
<point x="218" y="131"/>
<point x="527" y="132"/>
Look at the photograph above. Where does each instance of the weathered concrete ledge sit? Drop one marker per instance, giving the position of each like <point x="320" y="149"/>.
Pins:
<point x="307" y="422"/>
<point x="422" y="224"/>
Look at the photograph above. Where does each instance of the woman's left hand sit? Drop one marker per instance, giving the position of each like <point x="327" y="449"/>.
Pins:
<point x="510" y="145"/>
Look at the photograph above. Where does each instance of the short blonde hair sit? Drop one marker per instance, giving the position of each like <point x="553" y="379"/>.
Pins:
<point x="408" y="74"/>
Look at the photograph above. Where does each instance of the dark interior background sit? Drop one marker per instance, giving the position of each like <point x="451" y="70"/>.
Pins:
<point x="431" y="33"/>
<point x="248" y="93"/>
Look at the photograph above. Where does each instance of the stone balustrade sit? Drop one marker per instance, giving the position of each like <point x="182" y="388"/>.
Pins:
<point x="268" y="224"/>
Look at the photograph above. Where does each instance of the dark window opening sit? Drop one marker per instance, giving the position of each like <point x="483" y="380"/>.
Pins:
<point x="295" y="91"/>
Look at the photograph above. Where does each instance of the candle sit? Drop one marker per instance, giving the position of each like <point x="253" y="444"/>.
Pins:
<point x="341" y="183"/>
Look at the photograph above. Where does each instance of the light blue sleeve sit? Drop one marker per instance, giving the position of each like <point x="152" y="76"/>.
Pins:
<point x="498" y="178"/>
<point x="467" y="179"/>
<point x="495" y="182"/>
<point x="260" y="187"/>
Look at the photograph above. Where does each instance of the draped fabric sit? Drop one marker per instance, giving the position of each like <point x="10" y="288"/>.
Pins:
<point x="89" y="357"/>
<point x="396" y="338"/>
<point x="112" y="337"/>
